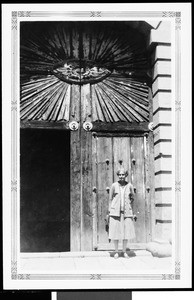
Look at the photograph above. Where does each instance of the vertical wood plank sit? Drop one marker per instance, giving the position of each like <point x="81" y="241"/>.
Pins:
<point x="86" y="191"/>
<point x="94" y="190"/>
<point x="75" y="103"/>
<point x="137" y="156"/>
<point x="121" y="150"/>
<point x="147" y="190"/>
<point x="75" y="173"/>
<point x="75" y="191"/>
<point x="104" y="177"/>
<point x="86" y="109"/>
<point x="86" y="173"/>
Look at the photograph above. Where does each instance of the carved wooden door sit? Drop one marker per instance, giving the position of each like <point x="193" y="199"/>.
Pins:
<point x="110" y="153"/>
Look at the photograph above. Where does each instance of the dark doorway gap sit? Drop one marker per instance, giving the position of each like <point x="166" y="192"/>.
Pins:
<point x="44" y="190"/>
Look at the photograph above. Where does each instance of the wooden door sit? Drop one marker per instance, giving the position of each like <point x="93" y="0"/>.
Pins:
<point x="110" y="153"/>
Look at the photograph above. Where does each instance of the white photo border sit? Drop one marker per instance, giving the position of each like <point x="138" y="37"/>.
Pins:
<point x="16" y="18"/>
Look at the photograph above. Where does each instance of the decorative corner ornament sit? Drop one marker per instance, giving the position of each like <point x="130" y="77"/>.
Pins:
<point x="151" y="126"/>
<point x="87" y="126"/>
<point x="73" y="125"/>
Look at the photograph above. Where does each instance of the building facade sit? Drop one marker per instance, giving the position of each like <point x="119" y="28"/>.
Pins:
<point x="94" y="96"/>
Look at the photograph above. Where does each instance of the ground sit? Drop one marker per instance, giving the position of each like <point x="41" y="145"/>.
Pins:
<point x="97" y="261"/>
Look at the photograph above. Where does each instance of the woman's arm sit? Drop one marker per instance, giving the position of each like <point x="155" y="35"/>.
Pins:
<point x="111" y="194"/>
<point x="131" y="193"/>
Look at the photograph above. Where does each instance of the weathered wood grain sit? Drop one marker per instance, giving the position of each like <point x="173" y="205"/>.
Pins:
<point x="63" y="111"/>
<point x="99" y="128"/>
<point x="133" y="111"/>
<point x="86" y="173"/>
<point x="102" y="104"/>
<point x="138" y="181"/>
<point x="76" y="187"/>
<point x="43" y="46"/>
<point x="105" y="179"/>
<point x="75" y="108"/>
<point x="108" y="106"/>
<point x="86" y="191"/>
<point x="120" y="127"/>
<point x="86" y="111"/>
<point x="44" y="125"/>
<point x="94" y="192"/>
<point x="75" y="195"/>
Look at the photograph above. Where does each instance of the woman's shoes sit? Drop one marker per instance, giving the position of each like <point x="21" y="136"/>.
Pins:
<point x="126" y="255"/>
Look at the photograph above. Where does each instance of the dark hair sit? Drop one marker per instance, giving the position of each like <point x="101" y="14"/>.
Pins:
<point x="125" y="171"/>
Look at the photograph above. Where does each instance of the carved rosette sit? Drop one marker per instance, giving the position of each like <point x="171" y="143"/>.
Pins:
<point x="151" y="126"/>
<point x="73" y="125"/>
<point x="87" y="126"/>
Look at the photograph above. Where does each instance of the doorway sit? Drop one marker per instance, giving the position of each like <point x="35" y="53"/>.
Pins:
<point x="44" y="190"/>
<point x="113" y="151"/>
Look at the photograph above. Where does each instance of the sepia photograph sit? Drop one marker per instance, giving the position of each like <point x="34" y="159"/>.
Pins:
<point x="93" y="113"/>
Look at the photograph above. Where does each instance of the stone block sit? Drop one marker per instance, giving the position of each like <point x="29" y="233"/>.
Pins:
<point x="162" y="99"/>
<point x="162" y="116"/>
<point x="163" y="147"/>
<point x="163" y="197"/>
<point x="163" y="180"/>
<point x="162" y="34"/>
<point x="161" y="83"/>
<point x="163" y="213"/>
<point x="163" y="164"/>
<point x="162" y="132"/>
<point x="163" y="52"/>
<point x="163" y="231"/>
<point x="161" y="68"/>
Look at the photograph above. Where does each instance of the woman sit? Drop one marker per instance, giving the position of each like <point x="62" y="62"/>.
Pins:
<point x="121" y="225"/>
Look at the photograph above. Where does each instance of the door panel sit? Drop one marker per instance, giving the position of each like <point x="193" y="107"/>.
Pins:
<point x="121" y="155"/>
<point x="138" y="180"/>
<point x="104" y="180"/>
<point x="111" y="153"/>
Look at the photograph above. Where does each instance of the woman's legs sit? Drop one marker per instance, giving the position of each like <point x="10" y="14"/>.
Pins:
<point x="116" y="243"/>
<point x="125" y="245"/>
<point x="124" y="248"/>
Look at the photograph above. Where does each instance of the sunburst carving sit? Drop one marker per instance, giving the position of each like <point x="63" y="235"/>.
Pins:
<point x="117" y="74"/>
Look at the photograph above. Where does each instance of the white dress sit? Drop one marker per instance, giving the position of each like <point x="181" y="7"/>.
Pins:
<point x="121" y="228"/>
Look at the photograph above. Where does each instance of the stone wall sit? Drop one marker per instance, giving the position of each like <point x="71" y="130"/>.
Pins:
<point x="160" y="49"/>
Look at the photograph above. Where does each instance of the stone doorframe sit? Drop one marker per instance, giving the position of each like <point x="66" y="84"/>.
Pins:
<point x="161" y="69"/>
